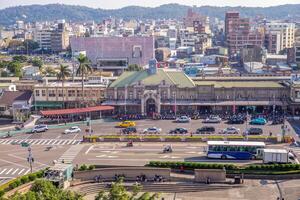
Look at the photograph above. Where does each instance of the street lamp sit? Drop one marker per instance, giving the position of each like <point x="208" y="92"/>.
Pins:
<point x="30" y="159"/>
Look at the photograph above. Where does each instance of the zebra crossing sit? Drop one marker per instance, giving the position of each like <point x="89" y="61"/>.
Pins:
<point x="40" y="141"/>
<point x="13" y="172"/>
<point x="70" y="154"/>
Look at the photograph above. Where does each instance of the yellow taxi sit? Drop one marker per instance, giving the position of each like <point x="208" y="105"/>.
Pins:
<point x="126" y="124"/>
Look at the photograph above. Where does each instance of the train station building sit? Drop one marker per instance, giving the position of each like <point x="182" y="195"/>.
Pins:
<point x="171" y="91"/>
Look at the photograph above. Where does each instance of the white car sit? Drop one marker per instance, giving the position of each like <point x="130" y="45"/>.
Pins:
<point x="73" y="129"/>
<point x="230" y="130"/>
<point x="152" y="130"/>
<point x="39" y="128"/>
<point x="183" y="119"/>
<point x="213" y="119"/>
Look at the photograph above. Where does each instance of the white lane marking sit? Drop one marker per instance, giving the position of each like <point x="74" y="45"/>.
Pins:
<point x="3" y="171"/>
<point x="65" y="142"/>
<point x="91" y="147"/>
<point x="74" y="136"/>
<point x="12" y="163"/>
<point x="27" y="172"/>
<point x="69" y="142"/>
<point x="44" y="142"/>
<point x="9" y="171"/>
<point x="58" y="137"/>
<point x="49" y="142"/>
<point x="101" y="156"/>
<point x="15" y="171"/>
<point x="21" y="171"/>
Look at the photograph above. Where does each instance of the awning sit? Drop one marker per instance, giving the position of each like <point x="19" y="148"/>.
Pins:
<point x="48" y="104"/>
<point x="75" y="110"/>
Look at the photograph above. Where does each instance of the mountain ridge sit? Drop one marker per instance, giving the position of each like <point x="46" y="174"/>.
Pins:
<point x="50" y="12"/>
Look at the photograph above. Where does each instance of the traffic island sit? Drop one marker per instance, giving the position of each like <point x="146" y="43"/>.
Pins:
<point x="167" y="138"/>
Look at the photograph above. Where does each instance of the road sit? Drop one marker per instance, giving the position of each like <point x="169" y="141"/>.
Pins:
<point x="67" y="148"/>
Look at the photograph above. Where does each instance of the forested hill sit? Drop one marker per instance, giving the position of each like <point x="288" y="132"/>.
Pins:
<point x="80" y="13"/>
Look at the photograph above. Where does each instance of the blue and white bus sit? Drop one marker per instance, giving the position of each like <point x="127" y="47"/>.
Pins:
<point x="240" y="150"/>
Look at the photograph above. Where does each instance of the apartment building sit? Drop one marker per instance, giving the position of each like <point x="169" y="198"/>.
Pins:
<point x="43" y="37"/>
<point x="238" y="33"/>
<point x="284" y="34"/>
<point x="54" y="95"/>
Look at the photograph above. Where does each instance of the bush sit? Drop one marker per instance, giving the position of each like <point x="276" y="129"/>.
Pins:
<point x="91" y="167"/>
<point x="32" y="177"/>
<point x="24" y="179"/>
<point x="1" y="193"/>
<point x="83" y="167"/>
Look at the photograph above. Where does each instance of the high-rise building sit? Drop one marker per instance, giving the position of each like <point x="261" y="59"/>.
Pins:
<point x="284" y="33"/>
<point x="43" y="37"/>
<point x="238" y="33"/>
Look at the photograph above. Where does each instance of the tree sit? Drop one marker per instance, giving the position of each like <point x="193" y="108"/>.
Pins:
<point x="134" y="67"/>
<point x="119" y="192"/>
<point x="30" y="45"/>
<point x="63" y="73"/>
<point x="48" y="71"/>
<point x="84" y="69"/>
<point x="37" y="62"/>
<point x="15" y="68"/>
<point x="42" y="189"/>
<point x="20" y="58"/>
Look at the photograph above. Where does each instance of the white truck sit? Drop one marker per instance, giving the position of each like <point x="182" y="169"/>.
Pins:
<point x="278" y="156"/>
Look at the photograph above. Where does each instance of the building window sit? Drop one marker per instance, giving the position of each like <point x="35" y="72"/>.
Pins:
<point x="43" y="93"/>
<point x="51" y="93"/>
<point x="164" y="95"/>
<point x="130" y="96"/>
<point x="60" y="93"/>
<point x="71" y="93"/>
<point x="79" y="93"/>
<point x="37" y="93"/>
<point x="191" y="97"/>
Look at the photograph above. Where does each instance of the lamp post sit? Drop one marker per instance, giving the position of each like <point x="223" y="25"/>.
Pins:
<point x="30" y="158"/>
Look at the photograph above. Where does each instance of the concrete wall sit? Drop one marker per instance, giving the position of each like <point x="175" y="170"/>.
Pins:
<point x="215" y="175"/>
<point x="130" y="173"/>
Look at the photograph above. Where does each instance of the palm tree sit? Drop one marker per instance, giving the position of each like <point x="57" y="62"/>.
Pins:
<point x="63" y="73"/>
<point x="84" y="69"/>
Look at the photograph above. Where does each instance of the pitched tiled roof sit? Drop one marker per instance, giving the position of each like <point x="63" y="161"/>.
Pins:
<point x="241" y="84"/>
<point x="8" y="97"/>
<point x="171" y="77"/>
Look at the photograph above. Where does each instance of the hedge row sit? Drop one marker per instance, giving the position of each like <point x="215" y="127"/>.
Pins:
<point x="86" y="167"/>
<point x="177" y="137"/>
<point x="284" y="167"/>
<point x="191" y="165"/>
<point x="20" y="181"/>
<point x="253" y="167"/>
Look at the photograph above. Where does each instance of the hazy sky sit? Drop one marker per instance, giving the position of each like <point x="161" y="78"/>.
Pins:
<point x="152" y="3"/>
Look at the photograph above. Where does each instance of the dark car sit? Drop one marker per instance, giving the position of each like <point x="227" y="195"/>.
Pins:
<point x="254" y="131"/>
<point x="205" y="129"/>
<point x="129" y="130"/>
<point x="236" y="120"/>
<point x="178" y="130"/>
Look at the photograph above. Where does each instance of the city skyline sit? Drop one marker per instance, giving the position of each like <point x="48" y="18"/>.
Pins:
<point x="114" y="4"/>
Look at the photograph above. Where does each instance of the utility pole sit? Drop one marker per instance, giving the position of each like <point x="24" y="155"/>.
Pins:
<point x="30" y="158"/>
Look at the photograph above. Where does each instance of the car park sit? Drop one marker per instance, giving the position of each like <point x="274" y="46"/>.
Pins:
<point x="73" y="129"/>
<point x="206" y="130"/>
<point x="183" y="119"/>
<point x="213" y="119"/>
<point x="254" y="131"/>
<point x="236" y="120"/>
<point x="126" y="124"/>
<point x="178" y="130"/>
<point x="39" y="128"/>
<point x="152" y="130"/>
<point x="230" y="130"/>
<point x="258" y="121"/>
<point x="129" y="130"/>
